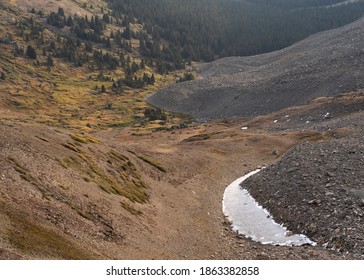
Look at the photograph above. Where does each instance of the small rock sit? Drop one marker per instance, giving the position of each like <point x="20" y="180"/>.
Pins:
<point x="263" y="256"/>
<point x="361" y="203"/>
<point x="314" y="201"/>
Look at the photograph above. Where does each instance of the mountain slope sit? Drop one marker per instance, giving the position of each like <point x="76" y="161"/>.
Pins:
<point x="211" y="29"/>
<point x="325" y="64"/>
<point x="89" y="171"/>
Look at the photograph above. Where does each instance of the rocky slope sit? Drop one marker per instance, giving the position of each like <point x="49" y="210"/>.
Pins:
<point x="316" y="188"/>
<point x="325" y="64"/>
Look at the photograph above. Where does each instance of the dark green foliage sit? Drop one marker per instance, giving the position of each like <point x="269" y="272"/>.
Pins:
<point x="106" y="59"/>
<point x="133" y="82"/>
<point x="88" y="46"/>
<point x="177" y="32"/>
<point x="155" y="114"/>
<point x="148" y="80"/>
<point x="103" y="89"/>
<point x="186" y="77"/>
<point x="56" y="20"/>
<point x="61" y="12"/>
<point x="127" y="33"/>
<point x="207" y="29"/>
<point x="30" y="52"/>
<point x="50" y="61"/>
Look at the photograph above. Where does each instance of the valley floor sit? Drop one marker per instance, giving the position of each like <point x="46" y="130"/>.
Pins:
<point x="183" y="218"/>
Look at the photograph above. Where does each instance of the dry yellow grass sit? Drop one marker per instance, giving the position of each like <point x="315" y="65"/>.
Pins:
<point x="64" y="95"/>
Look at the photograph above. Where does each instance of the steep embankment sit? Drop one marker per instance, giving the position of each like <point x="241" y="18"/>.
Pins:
<point x="325" y="64"/>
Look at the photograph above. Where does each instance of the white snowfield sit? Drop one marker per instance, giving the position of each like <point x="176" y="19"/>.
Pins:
<point x="251" y="220"/>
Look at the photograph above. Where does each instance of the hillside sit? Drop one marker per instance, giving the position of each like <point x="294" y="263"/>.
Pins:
<point x="319" y="185"/>
<point x="210" y="29"/>
<point x="325" y="64"/>
<point x="113" y="195"/>
<point x="71" y="64"/>
<point x="91" y="170"/>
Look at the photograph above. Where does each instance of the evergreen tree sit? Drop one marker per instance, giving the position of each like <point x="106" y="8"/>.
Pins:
<point x="50" y="61"/>
<point x="127" y="33"/>
<point x="61" y="12"/>
<point x="103" y="89"/>
<point x="30" y="52"/>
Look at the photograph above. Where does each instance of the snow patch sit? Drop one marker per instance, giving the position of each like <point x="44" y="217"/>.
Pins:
<point x="250" y="219"/>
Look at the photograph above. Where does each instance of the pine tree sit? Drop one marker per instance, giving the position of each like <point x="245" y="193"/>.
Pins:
<point x="61" y="12"/>
<point x="50" y="61"/>
<point x="127" y="33"/>
<point x="69" y="21"/>
<point x="30" y="52"/>
<point x="103" y="89"/>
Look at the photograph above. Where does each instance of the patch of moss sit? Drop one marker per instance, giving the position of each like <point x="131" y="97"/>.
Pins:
<point x="130" y="208"/>
<point x="72" y="147"/>
<point x="152" y="162"/>
<point x="104" y="189"/>
<point x="200" y="137"/>
<point x="32" y="238"/>
<point x="25" y="175"/>
<point x="120" y="178"/>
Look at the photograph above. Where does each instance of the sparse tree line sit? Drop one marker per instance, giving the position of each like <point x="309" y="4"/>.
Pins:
<point x="92" y="30"/>
<point x="77" y="44"/>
